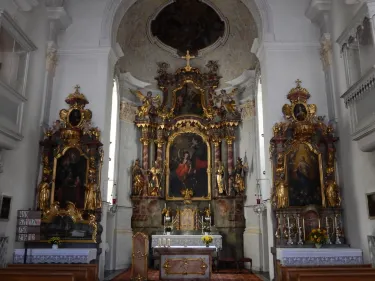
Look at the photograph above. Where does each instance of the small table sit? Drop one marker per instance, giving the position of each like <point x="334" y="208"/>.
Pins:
<point x="185" y="263"/>
<point x="55" y="255"/>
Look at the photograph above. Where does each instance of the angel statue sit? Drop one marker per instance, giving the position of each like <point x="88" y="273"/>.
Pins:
<point x="154" y="179"/>
<point x="239" y="176"/>
<point x="149" y="105"/>
<point x="220" y="177"/>
<point x="138" y="179"/>
<point x="225" y="101"/>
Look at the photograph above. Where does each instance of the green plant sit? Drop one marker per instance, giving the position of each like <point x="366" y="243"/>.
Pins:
<point x="55" y="240"/>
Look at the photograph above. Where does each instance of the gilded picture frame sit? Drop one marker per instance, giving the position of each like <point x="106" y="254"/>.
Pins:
<point x="178" y="100"/>
<point x="83" y="176"/>
<point x="370" y="201"/>
<point x="195" y="174"/>
<point x="298" y="183"/>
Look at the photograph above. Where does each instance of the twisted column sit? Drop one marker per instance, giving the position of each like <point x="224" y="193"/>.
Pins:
<point x="160" y="149"/>
<point x="145" y="147"/>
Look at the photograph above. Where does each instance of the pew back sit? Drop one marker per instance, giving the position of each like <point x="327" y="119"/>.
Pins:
<point x="80" y="274"/>
<point x="92" y="269"/>
<point x="364" y="276"/>
<point x="11" y="275"/>
<point x="293" y="273"/>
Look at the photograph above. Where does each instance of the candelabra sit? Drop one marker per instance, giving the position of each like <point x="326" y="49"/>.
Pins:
<point x="338" y="230"/>
<point x="328" y="233"/>
<point x="289" y="228"/>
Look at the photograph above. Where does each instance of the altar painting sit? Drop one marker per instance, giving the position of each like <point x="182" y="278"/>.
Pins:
<point x="188" y="100"/>
<point x="188" y="159"/>
<point x="304" y="176"/>
<point x="70" y="178"/>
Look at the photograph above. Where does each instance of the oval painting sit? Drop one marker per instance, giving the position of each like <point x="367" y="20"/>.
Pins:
<point x="300" y="112"/>
<point x="75" y="117"/>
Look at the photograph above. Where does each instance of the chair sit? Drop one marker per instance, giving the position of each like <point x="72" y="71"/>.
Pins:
<point x="231" y="260"/>
<point x="140" y="257"/>
<point x="242" y="262"/>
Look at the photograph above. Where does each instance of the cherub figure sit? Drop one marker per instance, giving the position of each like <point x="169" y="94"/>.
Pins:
<point x="149" y="105"/>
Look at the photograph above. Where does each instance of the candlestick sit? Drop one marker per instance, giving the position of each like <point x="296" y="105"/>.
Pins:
<point x="165" y="205"/>
<point x="304" y="232"/>
<point x="209" y="206"/>
<point x="300" y="242"/>
<point x="326" y="221"/>
<point x="319" y="223"/>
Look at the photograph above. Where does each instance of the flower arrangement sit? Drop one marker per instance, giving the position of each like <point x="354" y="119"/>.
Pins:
<point x="318" y="236"/>
<point x="207" y="239"/>
<point x="54" y="241"/>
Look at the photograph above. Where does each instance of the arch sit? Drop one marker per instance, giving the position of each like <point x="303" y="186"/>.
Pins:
<point x="115" y="10"/>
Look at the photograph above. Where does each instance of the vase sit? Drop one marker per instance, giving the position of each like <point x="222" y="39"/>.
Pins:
<point x="168" y="233"/>
<point x="318" y="246"/>
<point x="206" y="233"/>
<point x="55" y="246"/>
<point x="207" y="244"/>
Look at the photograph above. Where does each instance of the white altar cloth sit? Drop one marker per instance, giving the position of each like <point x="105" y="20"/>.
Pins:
<point x="55" y="255"/>
<point x="184" y="240"/>
<point x="316" y="257"/>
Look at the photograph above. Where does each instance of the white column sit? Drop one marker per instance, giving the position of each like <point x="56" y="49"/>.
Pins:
<point x="105" y="206"/>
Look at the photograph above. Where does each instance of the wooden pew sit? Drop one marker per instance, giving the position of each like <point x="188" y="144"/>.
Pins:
<point x="282" y="271"/>
<point x="80" y="274"/>
<point x="91" y="269"/>
<point x="13" y="275"/>
<point x="293" y="273"/>
<point x="360" y="276"/>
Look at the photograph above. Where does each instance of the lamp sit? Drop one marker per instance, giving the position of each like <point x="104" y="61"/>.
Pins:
<point x="260" y="205"/>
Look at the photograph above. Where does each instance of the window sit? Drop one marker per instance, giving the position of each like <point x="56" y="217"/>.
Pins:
<point x="111" y="192"/>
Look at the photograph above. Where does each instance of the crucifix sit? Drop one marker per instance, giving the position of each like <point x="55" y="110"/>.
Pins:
<point x="298" y="82"/>
<point x="77" y="87"/>
<point x="187" y="58"/>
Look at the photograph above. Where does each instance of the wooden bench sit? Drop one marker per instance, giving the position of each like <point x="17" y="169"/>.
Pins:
<point x="91" y="270"/>
<point x="282" y="271"/>
<point x="292" y="274"/>
<point x="12" y="275"/>
<point x="360" y="276"/>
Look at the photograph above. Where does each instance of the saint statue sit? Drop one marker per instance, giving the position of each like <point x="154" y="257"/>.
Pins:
<point x="154" y="181"/>
<point x="149" y="105"/>
<point x="239" y="176"/>
<point x="44" y="193"/>
<point x="332" y="194"/>
<point x="90" y="195"/>
<point x="138" y="178"/>
<point x="220" y="177"/>
<point x="281" y="194"/>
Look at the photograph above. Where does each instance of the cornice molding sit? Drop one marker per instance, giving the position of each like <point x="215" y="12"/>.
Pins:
<point x="26" y="5"/>
<point x="60" y="16"/>
<point x="317" y="8"/>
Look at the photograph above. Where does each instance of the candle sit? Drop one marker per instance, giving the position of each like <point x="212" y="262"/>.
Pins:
<point x="287" y="220"/>
<point x="159" y="242"/>
<point x="319" y="223"/>
<point x="169" y="242"/>
<point x="164" y="242"/>
<point x="165" y="205"/>
<point x="209" y="206"/>
<point x="335" y="221"/>
<point x="327" y="221"/>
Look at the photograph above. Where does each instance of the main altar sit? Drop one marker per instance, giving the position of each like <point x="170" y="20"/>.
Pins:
<point x="189" y="182"/>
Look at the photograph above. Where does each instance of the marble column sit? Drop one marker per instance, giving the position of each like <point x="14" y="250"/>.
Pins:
<point x="230" y="154"/>
<point x="217" y="152"/>
<point x="145" y="148"/>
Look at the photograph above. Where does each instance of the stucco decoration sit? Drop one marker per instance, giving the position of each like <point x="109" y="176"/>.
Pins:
<point x="127" y="111"/>
<point x="141" y="55"/>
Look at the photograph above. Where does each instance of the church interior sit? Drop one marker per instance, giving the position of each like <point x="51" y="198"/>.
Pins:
<point x="187" y="140"/>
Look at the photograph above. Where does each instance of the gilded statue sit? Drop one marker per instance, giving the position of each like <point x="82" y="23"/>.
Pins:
<point x="332" y="194"/>
<point x="138" y="178"/>
<point x="280" y="163"/>
<point x="149" y="105"/>
<point x="154" y="180"/>
<point x="90" y="194"/>
<point x="220" y="177"/>
<point x="239" y="176"/>
<point x="44" y="193"/>
<point x="207" y="213"/>
<point x="225" y="101"/>
<point x="281" y="194"/>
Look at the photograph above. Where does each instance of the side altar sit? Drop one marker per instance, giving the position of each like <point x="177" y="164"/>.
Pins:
<point x="189" y="180"/>
<point x="306" y="198"/>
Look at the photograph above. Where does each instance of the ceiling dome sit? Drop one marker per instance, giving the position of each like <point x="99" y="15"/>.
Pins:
<point x="187" y="25"/>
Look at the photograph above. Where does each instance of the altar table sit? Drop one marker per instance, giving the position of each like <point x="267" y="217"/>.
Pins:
<point x="318" y="257"/>
<point x="185" y="263"/>
<point x="184" y="240"/>
<point x="55" y="255"/>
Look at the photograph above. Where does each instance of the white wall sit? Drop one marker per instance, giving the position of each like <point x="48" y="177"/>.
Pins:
<point x="19" y="178"/>
<point x="356" y="168"/>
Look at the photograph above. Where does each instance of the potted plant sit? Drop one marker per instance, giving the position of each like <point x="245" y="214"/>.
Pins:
<point x="168" y="229"/>
<point x="318" y="237"/>
<point x="207" y="239"/>
<point x="55" y="241"/>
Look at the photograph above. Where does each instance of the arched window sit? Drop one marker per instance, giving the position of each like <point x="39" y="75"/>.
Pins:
<point x="111" y="192"/>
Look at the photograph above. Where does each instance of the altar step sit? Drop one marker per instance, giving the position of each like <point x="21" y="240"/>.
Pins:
<point x="222" y="275"/>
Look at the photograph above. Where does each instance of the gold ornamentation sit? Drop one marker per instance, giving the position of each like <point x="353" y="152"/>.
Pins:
<point x="281" y="195"/>
<point x="332" y="193"/>
<point x="44" y="194"/>
<point x="220" y="178"/>
<point x="138" y="178"/>
<point x="187" y="194"/>
<point x="188" y="57"/>
<point x="149" y="105"/>
<point x="154" y="181"/>
<point x="239" y="176"/>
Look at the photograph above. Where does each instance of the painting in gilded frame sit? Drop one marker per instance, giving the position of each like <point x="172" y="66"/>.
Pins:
<point x="70" y="178"/>
<point x="188" y="162"/>
<point x="304" y="175"/>
<point x="188" y="100"/>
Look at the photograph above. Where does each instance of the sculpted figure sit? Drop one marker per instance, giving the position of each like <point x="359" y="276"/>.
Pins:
<point x="138" y="178"/>
<point x="149" y="105"/>
<point x="154" y="181"/>
<point x="332" y="194"/>
<point x="44" y="193"/>
<point x="239" y="176"/>
<point x="220" y="177"/>
<point x="281" y="195"/>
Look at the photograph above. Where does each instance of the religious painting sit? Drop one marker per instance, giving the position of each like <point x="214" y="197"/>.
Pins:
<point x="300" y="112"/>
<point x="188" y="100"/>
<point x="371" y="205"/>
<point x="188" y="160"/>
<point x="304" y="175"/>
<point x="70" y="178"/>
<point x="75" y="117"/>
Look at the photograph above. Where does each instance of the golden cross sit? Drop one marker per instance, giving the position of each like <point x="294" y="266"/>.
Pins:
<point x="187" y="58"/>
<point x="77" y="87"/>
<point x="298" y="82"/>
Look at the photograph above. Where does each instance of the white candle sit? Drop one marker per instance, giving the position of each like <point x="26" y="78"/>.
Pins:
<point x="335" y="221"/>
<point x="209" y="206"/>
<point x="287" y="220"/>
<point x="165" y="205"/>
<point x="159" y="242"/>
